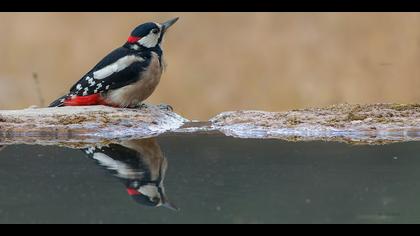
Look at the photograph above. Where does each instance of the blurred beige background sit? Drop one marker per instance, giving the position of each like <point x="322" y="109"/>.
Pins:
<point x="224" y="61"/>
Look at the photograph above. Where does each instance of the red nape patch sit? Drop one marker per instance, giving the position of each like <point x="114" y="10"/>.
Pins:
<point x="133" y="39"/>
<point x="95" y="99"/>
<point x="132" y="191"/>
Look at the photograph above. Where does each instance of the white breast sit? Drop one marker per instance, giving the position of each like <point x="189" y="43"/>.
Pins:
<point x="133" y="94"/>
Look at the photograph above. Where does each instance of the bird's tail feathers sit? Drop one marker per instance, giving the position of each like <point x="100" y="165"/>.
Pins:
<point x="59" y="102"/>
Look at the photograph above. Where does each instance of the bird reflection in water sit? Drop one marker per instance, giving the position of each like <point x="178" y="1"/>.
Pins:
<point x="140" y="166"/>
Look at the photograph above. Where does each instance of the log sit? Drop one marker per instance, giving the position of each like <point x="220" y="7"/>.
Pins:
<point x="82" y="126"/>
<point x="85" y="124"/>
<point x="357" y="124"/>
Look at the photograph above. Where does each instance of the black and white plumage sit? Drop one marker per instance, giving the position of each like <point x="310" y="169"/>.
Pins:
<point x="139" y="165"/>
<point x="126" y="76"/>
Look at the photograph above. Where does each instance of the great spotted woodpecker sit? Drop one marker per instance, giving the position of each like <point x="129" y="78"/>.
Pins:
<point x="140" y="166"/>
<point x="125" y="77"/>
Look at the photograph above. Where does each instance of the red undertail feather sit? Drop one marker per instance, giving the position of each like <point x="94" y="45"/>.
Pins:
<point x="95" y="99"/>
<point x="133" y="192"/>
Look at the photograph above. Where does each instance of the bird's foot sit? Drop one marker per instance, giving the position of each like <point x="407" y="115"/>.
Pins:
<point x="161" y="106"/>
<point x="140" y="106"/>
<point x="164" y="106"/>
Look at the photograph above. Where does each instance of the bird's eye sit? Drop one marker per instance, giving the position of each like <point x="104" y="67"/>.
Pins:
<point x="155" y="31"/>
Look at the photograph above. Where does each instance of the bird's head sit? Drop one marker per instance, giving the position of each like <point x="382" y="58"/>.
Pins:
<point x="151" y="195"/>
<point x="149" y="191"/>
<point x="149" y="35"/>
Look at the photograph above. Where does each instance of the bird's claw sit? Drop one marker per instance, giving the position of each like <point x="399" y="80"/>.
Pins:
<point x="165" y="107"/>
<point x="140" y="106"/>
<point x="160" y="106"/>
<point x="144" y="106"/>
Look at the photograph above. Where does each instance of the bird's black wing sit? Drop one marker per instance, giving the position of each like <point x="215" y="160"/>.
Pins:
<point x="89" y="85"/>
<point x="121" y="161"/>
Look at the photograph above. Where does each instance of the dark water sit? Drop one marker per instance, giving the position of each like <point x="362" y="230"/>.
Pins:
<point x="212" y="180"/>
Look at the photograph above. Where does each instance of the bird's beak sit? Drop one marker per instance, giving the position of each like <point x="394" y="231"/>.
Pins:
<point x="169" y="23"/>
<point x="170" y="206"/>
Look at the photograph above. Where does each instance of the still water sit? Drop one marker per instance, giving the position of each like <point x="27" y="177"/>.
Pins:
<point x="211" y="179"/>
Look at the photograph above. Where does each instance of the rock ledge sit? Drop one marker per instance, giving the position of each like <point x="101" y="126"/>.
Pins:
<point x="371" y="124"/>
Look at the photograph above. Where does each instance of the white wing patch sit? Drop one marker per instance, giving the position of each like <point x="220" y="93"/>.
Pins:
<point x="117" y="66"/>
<point x="122" y="169"/>
<point x="86" y="91"/>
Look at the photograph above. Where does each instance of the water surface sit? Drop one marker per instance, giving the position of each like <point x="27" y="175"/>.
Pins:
<point x="212" y="179"/>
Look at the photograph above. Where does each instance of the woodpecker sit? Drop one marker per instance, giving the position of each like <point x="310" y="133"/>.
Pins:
<point x="140" y="165"/>
<point x="125" y="77"/>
